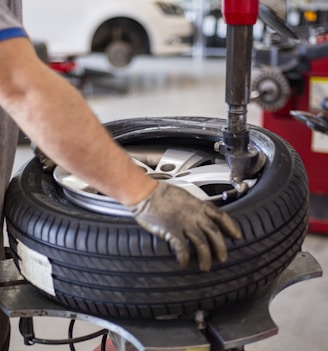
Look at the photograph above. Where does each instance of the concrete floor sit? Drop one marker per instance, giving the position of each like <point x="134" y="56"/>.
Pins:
<point x="194" y="87"/>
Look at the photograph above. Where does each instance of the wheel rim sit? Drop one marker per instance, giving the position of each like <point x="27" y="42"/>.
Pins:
<point x="119" y="53"/>
<point x="203" y="173"/>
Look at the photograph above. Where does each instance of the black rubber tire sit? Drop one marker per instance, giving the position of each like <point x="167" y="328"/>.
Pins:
<point x="108" y="265"/>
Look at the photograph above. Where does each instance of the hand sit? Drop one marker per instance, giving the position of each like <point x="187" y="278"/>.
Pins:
<point x="47" y="164"/>
<point x="174" y="215"/>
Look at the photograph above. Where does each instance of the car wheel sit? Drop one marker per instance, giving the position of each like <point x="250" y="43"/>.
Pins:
<point x="119" y="53"/>
<point x="120" y="39"/>
<point x="85" y="251"/>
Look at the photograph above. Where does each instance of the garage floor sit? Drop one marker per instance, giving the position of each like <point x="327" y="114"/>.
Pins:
<point x="193" y="87"/>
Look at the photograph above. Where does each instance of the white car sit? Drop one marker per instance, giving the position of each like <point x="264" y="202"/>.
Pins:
<point x="121" y="29"/>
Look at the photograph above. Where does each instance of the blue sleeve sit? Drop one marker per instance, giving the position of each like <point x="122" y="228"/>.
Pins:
<point x="10" y="20"/>
<point x="13" y="32"/>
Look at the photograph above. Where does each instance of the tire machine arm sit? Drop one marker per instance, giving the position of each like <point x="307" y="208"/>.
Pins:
<point x="244" y="161"/>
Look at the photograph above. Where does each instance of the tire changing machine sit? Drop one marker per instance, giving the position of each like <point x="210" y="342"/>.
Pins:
<point x="291" y="86"/>
<point x="230" y="327"/>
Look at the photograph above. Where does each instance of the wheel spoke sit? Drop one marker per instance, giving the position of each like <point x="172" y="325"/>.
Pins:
<point x="209" y="174"/>
<point x="143" y="165"/>
<point x="185" y="169"/>
<point x="174" y="161"/>
<point x="193" y="189"/>
<point x="203" y="174"/>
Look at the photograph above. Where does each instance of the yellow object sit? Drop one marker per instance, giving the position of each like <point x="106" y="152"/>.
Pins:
<point x="310" y="16"/>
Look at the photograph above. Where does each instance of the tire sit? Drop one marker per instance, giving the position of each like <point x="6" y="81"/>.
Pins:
<point x="107" y="265"/>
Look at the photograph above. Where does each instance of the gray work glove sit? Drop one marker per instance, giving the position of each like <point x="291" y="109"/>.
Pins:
<point x="174" y="215"/>
<point x="48" y="165"/>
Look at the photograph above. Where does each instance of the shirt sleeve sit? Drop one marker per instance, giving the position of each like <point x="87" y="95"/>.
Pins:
<point x="10" y="26"/>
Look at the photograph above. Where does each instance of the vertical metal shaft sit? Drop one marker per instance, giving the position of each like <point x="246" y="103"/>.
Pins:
<point x="238" y="68"/>
<point x="240" y="16"/>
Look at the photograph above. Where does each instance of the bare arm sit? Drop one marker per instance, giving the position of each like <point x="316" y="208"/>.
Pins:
<point x="57" y="118"/>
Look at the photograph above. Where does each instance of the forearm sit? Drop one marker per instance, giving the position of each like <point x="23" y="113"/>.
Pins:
<point x="56" y="117"/>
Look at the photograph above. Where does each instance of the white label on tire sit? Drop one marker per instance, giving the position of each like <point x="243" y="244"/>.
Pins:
<point x="36" y="268"/>
<point x="319" y="142"/>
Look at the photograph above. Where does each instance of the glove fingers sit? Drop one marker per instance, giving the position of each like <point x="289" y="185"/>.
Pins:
<point x="203" y="251"/>
<point x="181" y="249"/>
<point x="228" y="226"/>
<point x="218" y="245"/>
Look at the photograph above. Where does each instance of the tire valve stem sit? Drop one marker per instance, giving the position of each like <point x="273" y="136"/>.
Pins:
<point x="239" y="190"/>
<point x="200" y="320"/>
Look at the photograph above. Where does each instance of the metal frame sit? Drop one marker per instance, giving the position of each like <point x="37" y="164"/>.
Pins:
<point x="230" y="328"/>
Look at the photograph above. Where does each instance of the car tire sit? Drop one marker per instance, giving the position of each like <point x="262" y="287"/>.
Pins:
<point x="109" y="266"/>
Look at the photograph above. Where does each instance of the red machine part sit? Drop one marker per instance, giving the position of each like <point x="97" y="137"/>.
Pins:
<point x="311" y="146"/>
<point x="63" y="66"/>
<point x="240" y="12"/>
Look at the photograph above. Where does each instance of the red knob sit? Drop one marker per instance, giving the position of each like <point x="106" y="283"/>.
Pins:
<point x="240" y="12"/>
